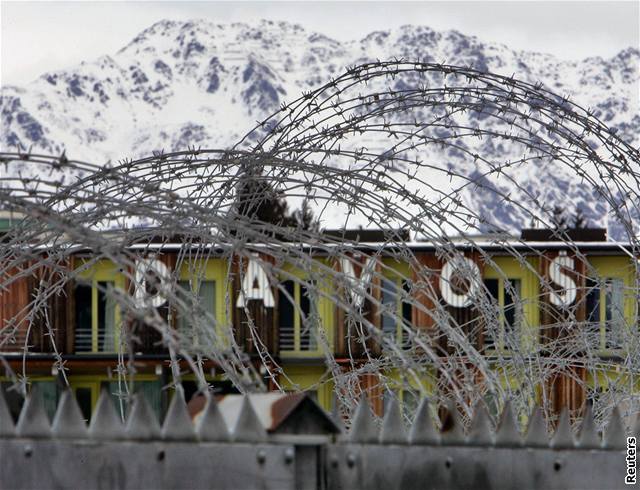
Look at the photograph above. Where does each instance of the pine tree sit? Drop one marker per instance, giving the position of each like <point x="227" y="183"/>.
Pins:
<point x="257" y="200"/>
<point x="559" y="219"/>
<point x="303" y="218"/>
<point x="579" y="219"/>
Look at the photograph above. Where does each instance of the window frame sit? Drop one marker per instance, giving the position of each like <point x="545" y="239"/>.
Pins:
<point x="408" y="399"/>
<point x="301" y="378"/>
<point x="500" y="344"/>
<point x="507" y="268"/>
<point x="297" y="351"/>
<point x="210" y="269"/>
<point x="96" y="383"/>
<point x="95" y="273"/>
<point x="602" y="284"/>
<point x="94" y="386"/>
<point x="606" y="267"/>
<point x="195" y="287"/>
<point x="399" y="283"/>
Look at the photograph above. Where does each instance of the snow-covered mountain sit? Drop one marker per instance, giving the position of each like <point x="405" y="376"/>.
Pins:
<point x="197" y="83"/>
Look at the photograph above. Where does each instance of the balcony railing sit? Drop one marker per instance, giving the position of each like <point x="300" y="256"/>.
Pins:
<point x="86" y="341"/>
<point x="287" y="338"/>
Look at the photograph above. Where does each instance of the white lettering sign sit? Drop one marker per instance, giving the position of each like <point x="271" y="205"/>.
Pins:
<point x="358" y="285"/>
<point x="469" y="271"/>
<point x="146" y="270"/>
<point x="556" y="274"/>
<point x="255" y="285"/>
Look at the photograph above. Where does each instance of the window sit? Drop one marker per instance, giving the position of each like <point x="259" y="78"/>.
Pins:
<point x="87" y="393"/>
<point x="512" y="310"/>
<point x="605" y="312"/>
<point x="287" y="314"/>
<point x="84" y="323"/>
<point x="298" y="325"/>
<point x="506" y="293"/>
<point x="84" y="397"/>
<point x="614" y="313"/>
<point x="492" y="286"/>
<point x="407" y="314"/>
<point x="409" y="401"/>
<point x="593" y="301"/>
<point x="14" y="400"/>
<point x="389" y="308"/>
<point x="152" y="391"/>
<point x="308" y="319"/>
<point x="200" y="304"/>
<point x="95" y="311"/>
<point x="396" y="311"/>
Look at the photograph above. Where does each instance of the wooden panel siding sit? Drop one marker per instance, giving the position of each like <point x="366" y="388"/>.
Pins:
<point x="14" y="307"/>
<point x="561" y="335"/>
<point x="49" y="326"/>
<point x="426" y="291"/>
<point x="454" y="374"/>
<point x="424" y="276"/>
<point x="371" y="385"/>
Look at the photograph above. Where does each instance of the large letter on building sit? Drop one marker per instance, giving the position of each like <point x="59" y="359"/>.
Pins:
<point x="568" y="295"/>
<point x="358" y="285"/>
<point x="469" y="271"/>
<point x="255" y="285"/>
<point x="145" y="270"/>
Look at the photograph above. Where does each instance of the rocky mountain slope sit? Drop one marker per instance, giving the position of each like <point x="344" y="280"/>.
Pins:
<point x="197" y="83"/>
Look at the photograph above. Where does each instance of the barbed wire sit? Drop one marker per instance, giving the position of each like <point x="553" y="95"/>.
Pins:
<point x="400" y="146"/>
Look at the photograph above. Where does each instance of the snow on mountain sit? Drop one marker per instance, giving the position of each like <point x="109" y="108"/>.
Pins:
<point x="202" y="84"/>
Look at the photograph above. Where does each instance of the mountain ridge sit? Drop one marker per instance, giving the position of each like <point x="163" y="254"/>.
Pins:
<point x="180" y="84"/>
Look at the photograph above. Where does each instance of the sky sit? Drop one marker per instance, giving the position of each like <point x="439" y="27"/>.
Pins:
<point x="41" y="36"/>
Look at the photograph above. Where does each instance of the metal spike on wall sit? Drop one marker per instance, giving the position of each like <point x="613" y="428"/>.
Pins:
<point x="423" y="430"/>
<point x="537" y="434"/>
<point x="364" y="428"/>
<point x="177" y="423"/>
<point x="68" y="421"/>
<point x="210" y="425"/>
<point x="563" y="437"/>
<point x="105" y="422"/>
<point x="508" y="431"/>
<point x="614" y="433"/>
<point x="33" y="420"/>
<point x="142" y="423"/>
<point x="480" y="432"/>
<point x="248" y="426"/>
<point x="589" y="437"/>
<point x="375" y="464"/>
<point x="393" y="430"/>
<point x="7" y="427"/>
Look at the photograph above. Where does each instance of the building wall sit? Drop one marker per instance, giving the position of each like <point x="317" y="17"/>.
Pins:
<point x="305" y="369"/>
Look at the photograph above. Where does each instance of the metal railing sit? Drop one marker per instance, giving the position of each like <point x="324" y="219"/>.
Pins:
<point x="287" y="338"/>
<point x="84" y="341"/>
